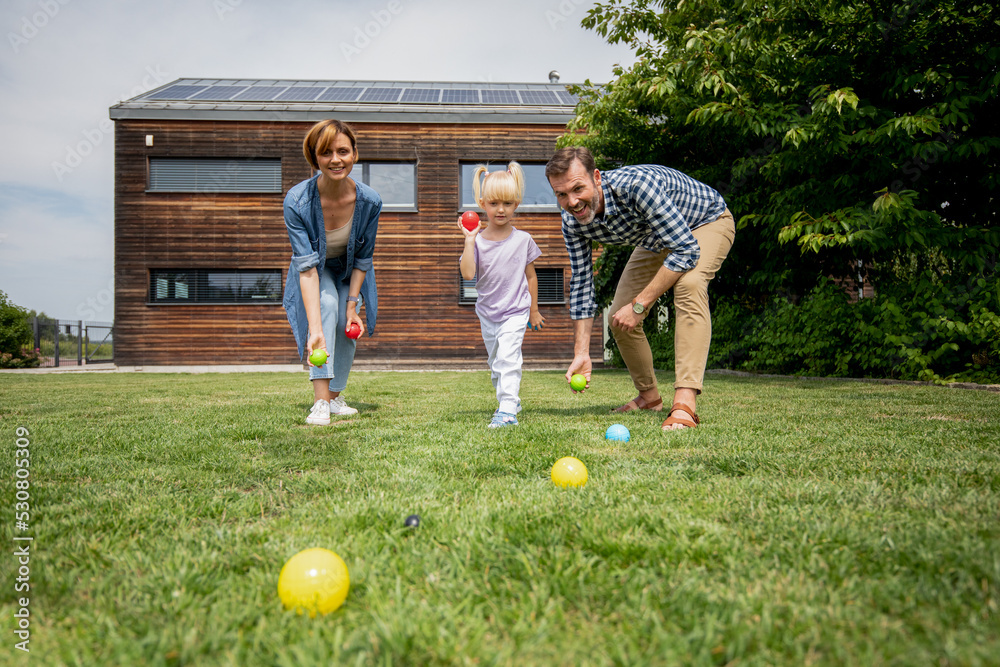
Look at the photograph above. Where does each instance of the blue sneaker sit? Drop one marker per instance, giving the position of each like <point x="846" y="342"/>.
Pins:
<point x="501" y="419"/>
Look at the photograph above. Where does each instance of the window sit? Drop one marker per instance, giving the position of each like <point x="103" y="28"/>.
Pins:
<point x="395" y="182"/>
<point x="467" y="293"/>
<point x="550" y="288"/>
<point x="170" y="174"/>
<point x="538" y="194"/>
<point x="214" y="286"/>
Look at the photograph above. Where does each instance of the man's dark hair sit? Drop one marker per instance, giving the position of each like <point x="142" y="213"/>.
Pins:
<point x="564" y="159"/>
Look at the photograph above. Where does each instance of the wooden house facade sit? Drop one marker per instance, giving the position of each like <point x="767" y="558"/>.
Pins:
<point x="201" y="251"/>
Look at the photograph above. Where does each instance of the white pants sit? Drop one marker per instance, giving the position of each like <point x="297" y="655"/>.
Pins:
<point x="503" y="347"/>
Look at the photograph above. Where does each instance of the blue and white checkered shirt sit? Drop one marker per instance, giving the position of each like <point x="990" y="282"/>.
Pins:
<point x="648" y="206"/>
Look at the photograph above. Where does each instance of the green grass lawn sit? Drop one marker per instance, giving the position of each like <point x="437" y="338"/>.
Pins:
<point x="805" y="523"/>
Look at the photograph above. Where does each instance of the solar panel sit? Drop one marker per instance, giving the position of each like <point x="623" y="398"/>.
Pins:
<point x="219" y="93"/>
<point x="539" y="96"/>
<point x="566" y="98"/>
<point x="300" y="93"/>
<point x="381" y="95"/>
<point x="175" y="93"/>
<point x="460" y="96"/>
<point x="378" y="93"/>
<point x="500" y="97"/>
<point x="426" y="95"/>
<point x="260" y="93"/>
<point x="339" y="94"/>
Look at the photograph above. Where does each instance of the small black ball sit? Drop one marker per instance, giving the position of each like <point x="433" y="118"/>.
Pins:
<point x="412" y="521"/>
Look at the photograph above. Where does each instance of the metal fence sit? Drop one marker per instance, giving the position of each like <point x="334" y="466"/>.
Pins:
<point x="73" y="342"/>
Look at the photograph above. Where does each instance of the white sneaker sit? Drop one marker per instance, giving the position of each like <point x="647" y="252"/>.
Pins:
<point x="320" y="413"/>
<point x="501" y="419"/>
<point x="340" y="408"/>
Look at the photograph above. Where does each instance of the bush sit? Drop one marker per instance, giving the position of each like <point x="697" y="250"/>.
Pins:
<point x="27" y="358"/>
<point x="926" y="330"/>
<point x="15" y="336"/>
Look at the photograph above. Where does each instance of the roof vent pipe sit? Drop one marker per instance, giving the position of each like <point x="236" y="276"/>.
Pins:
<point x="553" y="77"/>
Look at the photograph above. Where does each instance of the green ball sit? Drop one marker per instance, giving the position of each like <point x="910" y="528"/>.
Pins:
<point x="578" y="382"/>
<point x="318" y="357"/>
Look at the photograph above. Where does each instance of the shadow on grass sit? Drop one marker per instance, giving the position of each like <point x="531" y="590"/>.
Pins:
<point x="592" y="411"/>
<point x="735" y="465"/>
<point x="362" y="408"/>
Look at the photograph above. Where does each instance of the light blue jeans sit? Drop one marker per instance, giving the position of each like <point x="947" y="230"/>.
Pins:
<point x="333" y="313"/>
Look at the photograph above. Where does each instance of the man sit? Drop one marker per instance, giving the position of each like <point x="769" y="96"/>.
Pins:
<point x="681" y="231"/>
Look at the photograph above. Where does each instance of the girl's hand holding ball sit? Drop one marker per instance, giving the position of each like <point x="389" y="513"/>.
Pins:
<point x="470" y="220"/>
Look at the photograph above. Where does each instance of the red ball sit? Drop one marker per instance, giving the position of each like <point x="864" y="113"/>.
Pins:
<point x="470" y="220"/>
<point x="354" y="331"/>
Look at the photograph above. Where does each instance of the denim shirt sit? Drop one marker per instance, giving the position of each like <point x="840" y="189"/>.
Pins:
<point x="307" y="234"/>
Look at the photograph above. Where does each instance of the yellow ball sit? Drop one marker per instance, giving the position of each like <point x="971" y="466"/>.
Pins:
<point x="569" y="471"/>
<point x="314" y="580"/>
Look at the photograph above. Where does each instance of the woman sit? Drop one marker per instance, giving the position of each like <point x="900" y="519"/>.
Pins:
<point x="331" y="221"/>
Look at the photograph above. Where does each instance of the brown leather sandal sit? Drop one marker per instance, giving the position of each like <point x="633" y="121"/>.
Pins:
<point x="634" y="405"/>
<point x="671" y="420"/>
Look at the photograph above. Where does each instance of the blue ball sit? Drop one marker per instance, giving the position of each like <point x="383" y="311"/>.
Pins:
<point x="617" y="432"/>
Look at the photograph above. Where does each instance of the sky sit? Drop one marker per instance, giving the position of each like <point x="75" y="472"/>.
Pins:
<point x="64" y="63"/>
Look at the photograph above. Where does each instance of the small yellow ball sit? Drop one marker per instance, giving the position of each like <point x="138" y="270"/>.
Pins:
<point x="569" y="471"/>
<point x="314" y="581"/>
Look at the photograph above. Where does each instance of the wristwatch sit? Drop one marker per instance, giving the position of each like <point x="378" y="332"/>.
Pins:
<point x="352" y="299"/>
<point x="637" y="307"/>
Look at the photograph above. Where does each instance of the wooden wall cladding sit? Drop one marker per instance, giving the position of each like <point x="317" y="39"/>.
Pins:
<point x="416" y="254"/>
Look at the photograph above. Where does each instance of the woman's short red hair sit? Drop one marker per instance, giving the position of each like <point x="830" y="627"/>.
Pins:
<point x="321" y="135"/>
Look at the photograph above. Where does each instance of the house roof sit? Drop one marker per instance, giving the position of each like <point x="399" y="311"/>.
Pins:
<point x="382" y="101"/>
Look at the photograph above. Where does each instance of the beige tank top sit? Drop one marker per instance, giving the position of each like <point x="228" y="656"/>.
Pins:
<point x="336" y="240"/>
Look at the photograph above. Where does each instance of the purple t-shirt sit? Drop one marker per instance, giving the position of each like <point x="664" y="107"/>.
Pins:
<point x="500" y="281"/>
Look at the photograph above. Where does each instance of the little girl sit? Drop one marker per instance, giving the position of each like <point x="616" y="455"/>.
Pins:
<point x="500" y="258"/>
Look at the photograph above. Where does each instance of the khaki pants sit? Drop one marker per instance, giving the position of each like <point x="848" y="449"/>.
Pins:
<point x="693" y="328"/>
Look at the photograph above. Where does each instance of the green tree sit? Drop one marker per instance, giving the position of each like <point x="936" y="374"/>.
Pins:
<point x="15" y="331"/>
<point x="846" y="136"/>
<point x="15" y="335"/>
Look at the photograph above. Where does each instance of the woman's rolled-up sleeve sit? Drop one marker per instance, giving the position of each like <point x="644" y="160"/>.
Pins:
<point x="303" y="255"/>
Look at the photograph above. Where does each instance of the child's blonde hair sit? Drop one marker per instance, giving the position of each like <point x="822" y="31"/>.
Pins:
<point x="499" y="185"/>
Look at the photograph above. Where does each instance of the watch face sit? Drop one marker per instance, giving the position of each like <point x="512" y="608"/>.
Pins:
<point x="637" y="308"/>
